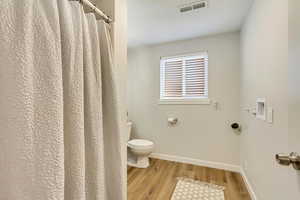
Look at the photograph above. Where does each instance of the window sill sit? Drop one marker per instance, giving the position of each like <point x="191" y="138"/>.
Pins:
<point x="184" y="102"/>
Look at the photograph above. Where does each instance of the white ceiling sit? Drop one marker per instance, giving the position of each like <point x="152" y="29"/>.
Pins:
<point x="158" y="21"/>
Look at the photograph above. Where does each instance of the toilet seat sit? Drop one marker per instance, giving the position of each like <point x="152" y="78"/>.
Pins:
<point x="140" y="144"/>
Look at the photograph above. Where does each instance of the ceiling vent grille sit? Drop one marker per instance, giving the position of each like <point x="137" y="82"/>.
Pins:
<point x="193" y="6"/>
<point x="186" y="9"/>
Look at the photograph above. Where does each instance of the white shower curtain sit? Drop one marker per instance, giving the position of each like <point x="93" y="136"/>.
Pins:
<point x="56" y="77"/>
<point x="112" y="119"/>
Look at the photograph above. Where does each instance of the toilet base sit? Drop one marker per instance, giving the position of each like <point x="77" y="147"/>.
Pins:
<point x="141" y="162"/>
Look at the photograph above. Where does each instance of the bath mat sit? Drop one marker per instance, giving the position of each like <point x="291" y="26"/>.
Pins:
<point x="189" y="189"/>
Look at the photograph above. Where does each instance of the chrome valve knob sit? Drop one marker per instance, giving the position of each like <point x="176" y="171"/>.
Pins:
<point x="286" y="160"/>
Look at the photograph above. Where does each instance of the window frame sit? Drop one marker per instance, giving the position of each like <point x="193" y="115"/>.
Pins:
<point x="183" y="100"/>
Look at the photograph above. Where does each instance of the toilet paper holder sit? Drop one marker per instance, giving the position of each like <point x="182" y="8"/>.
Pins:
<point x="172" y="121"/>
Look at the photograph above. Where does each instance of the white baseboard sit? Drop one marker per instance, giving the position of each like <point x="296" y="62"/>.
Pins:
<point x="248" y="185"/>
<point x="216" y="165"/>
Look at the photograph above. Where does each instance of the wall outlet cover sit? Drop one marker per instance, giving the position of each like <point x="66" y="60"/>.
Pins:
<point x="261" y="108"/>
<point x="270" y="115"/>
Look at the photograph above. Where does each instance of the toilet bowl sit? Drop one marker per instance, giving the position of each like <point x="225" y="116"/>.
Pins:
<point x="140" y="150"/>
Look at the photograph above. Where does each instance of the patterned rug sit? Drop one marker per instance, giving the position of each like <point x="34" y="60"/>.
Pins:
<point x="189" y="189"/>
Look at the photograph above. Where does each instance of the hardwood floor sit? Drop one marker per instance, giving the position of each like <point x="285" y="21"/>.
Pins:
<point x="159" y="180"/>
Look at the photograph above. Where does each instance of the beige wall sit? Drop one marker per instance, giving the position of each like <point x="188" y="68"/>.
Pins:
<point x="294" y="91"/>
<point x="203" y="132"/>
<point x="107" y="6"/>
<point x="264" y="74"/>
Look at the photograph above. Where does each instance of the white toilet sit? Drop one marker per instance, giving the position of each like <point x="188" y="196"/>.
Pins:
<point x="140" y="150"/>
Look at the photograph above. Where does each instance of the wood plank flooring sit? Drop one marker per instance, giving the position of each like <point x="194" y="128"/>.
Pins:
<point x="159" y="180"/>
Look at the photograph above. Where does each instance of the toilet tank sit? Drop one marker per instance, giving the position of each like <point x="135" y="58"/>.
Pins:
<point x="129" y="128"/>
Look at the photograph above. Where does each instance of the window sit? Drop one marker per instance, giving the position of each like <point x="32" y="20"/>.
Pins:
<point x="184" y="79"/>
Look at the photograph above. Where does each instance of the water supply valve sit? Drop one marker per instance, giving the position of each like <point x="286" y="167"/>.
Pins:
<point x="287" y="160"/>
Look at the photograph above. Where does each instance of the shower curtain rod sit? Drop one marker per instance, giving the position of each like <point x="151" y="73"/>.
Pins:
<point x="96" y="10"/>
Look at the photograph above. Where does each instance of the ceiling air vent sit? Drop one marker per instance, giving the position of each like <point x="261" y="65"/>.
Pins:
<point x="193" y="6"/>
<point x="186" y="9"/>
<point x="202" y="4"/>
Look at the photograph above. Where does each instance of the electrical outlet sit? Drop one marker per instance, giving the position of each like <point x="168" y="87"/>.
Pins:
<point x="215" y="105"/>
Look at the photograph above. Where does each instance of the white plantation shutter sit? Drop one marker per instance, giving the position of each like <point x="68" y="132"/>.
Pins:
<point x="173" y="79"/>
<point x="184" y="77"/>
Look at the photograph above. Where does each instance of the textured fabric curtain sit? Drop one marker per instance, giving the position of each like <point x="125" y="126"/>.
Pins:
<point x="31" y="101"/>
<point x="59" y="120"/>
<point x="111" y="117"/>
<point x="71" y="24"/>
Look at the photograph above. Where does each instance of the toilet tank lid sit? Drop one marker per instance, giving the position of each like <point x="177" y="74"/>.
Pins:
<point x="139" y="142"/>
